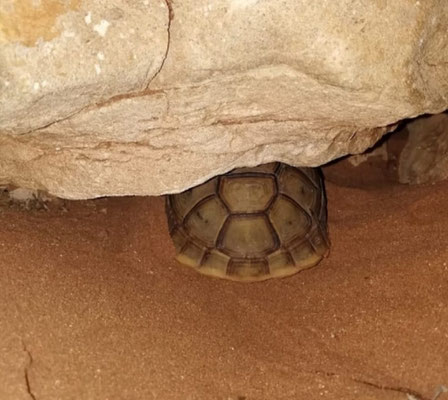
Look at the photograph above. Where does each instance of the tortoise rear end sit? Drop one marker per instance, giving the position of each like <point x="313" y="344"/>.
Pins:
<point x="252" y="223"/>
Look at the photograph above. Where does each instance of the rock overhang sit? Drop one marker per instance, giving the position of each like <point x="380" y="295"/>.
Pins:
<point x="154" y="97"/>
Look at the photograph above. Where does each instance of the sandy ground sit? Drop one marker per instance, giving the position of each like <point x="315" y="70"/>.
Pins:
<point x="92" y="306"/>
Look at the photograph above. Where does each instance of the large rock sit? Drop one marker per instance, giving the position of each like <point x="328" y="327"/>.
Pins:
<point x="151" y="97"/>
<point x="424" y="158"/>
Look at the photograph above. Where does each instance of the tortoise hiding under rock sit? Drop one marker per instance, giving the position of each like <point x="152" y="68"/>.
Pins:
<point x="251" y="224"/>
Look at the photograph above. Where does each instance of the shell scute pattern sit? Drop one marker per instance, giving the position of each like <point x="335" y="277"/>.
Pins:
<point x="252" y="223"/>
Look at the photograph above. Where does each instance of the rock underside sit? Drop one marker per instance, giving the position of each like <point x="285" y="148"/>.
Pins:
<point x="153" y="97"/>
<point x="424" y="158"/>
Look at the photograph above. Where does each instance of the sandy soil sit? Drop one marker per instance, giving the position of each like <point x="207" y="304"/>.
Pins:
<point x="92" y="306"/>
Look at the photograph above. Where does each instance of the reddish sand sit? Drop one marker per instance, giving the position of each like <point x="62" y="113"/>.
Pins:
<point x="92" y="306"/>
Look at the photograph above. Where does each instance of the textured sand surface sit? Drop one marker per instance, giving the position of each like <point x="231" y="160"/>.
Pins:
<point x="93" y="307"/>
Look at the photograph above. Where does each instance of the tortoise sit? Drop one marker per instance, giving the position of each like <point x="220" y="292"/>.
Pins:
<point x="251" y="224"/>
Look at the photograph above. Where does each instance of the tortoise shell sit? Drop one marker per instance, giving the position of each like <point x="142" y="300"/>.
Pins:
<point x="252" y="223"/>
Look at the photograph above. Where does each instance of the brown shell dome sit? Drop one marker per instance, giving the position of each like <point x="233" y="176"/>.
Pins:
<point x="252" y="223"/>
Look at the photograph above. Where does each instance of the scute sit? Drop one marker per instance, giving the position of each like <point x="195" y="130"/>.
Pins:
<point x="304" y="255"/>
<point x="251" y="224"/>
<point x="247" y="194"/>
<point x="206" y="219"/>
<point x="183" y="202"/>
<point x="281" y="263"/>
<point x="248" y="236"/>
<point x="298" y="186"/>
<point x="319" y="241"/>
<point x="247" y="269"/>
<point x="289" y="219"/>
<point x="180" y="239"/>
<point x="215" y="263"/>
<point x="191" y="254"/>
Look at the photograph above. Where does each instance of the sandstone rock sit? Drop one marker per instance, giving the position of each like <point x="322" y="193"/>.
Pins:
<point x="57" y="57"/>
<point x="424" y="158"/>
<point x="416" y="153"/>
<point x="153" y="97"/>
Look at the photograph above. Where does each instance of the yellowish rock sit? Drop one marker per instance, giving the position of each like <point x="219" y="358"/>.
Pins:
<point x="153" y="97"/>
<point x="424" y="158"/>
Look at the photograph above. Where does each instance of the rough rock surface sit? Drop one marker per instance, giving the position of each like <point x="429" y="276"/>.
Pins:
<point x="416" y="153"/>
<point x="424" y="158"/>
<point x="151" y="97"/>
